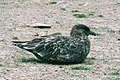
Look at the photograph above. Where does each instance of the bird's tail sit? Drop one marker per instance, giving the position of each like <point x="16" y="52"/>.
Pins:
<point x="19" y="43"/>
<point x="23" y="45"/>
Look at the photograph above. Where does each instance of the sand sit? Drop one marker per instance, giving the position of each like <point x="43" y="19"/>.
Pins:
<point x="102" y="16"/>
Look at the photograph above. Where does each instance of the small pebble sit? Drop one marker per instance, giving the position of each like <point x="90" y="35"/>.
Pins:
<point x="61" y="67"/>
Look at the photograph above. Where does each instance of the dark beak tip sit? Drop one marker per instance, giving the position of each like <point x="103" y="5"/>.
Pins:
<point x="93" y="33"/>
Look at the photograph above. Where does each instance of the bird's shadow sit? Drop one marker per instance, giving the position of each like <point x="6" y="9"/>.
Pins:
<point x="88" y="61"/>
<point x="36" y="61"/>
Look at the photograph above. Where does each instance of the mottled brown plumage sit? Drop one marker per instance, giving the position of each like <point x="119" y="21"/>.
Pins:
<point x="64" y="49"/>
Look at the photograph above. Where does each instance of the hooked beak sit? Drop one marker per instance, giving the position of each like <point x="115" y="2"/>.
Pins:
<point x="92" y="33"/>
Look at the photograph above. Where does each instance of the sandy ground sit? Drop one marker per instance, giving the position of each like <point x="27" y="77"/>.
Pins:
<point x="104" y="58"/>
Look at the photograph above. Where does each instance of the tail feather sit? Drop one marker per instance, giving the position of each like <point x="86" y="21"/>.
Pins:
<point x="19" y="43"/>
<point x="23" y="45"/>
